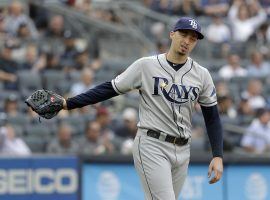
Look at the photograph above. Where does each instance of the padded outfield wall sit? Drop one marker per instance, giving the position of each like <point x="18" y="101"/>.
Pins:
<point x="115" y="178"/>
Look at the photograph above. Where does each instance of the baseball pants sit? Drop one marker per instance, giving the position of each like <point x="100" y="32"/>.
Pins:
<point x="162" y="166"/>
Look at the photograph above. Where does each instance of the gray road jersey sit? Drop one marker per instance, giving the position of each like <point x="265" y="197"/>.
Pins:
<point x="167" y="96"/>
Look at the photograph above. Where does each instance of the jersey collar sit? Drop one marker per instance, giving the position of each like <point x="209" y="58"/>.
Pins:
<point x="163" y="61"/>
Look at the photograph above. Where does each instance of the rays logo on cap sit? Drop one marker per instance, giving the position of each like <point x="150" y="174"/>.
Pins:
<point x="193" y="23"/>
<point x="187" y="23"/>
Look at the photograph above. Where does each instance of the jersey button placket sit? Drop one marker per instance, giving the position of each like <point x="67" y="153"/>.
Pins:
<point x="174" y="112"/>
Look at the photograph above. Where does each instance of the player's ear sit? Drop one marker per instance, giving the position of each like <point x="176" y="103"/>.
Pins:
<point x="172" y="34"/>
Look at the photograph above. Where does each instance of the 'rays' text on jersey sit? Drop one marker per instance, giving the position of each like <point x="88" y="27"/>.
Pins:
<point x="175" y="93"/>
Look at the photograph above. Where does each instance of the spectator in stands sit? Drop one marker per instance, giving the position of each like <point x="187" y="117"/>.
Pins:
<point x="85" y="83"/>
<point x="103" y="117"/>
<point x="225" y="100"/>
<point x="266" y="6"/>
<point x="198" y="132"/>
<point x="222" y="88"/>
<point x="52" y="40"/>
<point x="52" y="61"/>
<point x="244" y="109"/>
<point x="64" y="143"/>
<point x="92" y="143"/>
<point x="162" y="46"/>
<point x="56" y="27"/>
<point x="253" y="94"/>
<point x="174" y="7"/>
<point x="243" y="24"/>
<point x="166" y="6"/>
<point x="128" y="127"/>
<point x="226" y="107"/>
<point x="82" y="60"/>
<point x="32" y="60"/>
<point x="219" y="34"/>
<point x="8" y="68"/>
<point x="84" y="6"/>
<point x="217" y="31"/>
<point x="228" y="115"/>
<point x="253" y="7"/>
<point x="11" y="106"/>
<point x="39" y="14"/>
<point x="16" y="18"/>
<point x="191" y="7"/>
<point x="257" y="136"/>
<point x="125" y="130"/>
<point x="213" y="7"/>
<point x="157" y="29"/>
<point x="258" y="67"/>
<point x="3" y="33"/>
<point x="233" y="68"/>
<point x="70" y="51"/>
<point x="262" y="39"/>
<point x="108" y="15"/>
<point x="23" y="32"/>
<point x="10" y="144"/>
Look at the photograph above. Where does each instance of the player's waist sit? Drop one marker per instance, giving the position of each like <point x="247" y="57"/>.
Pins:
<point x="165" y="137"/>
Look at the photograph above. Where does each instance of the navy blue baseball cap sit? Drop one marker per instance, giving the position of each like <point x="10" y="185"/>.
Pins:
<point x="188" y="23"/>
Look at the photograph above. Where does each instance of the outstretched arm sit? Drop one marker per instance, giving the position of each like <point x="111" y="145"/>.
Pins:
<point x="47" y="103"/>
<point x="128" y="80"/>
<point x="99" y="93"/>
<point x="214" y="131"/>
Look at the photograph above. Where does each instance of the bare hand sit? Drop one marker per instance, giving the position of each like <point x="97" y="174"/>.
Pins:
<point x="216" y="165"/>
<point x="64" y="104"/>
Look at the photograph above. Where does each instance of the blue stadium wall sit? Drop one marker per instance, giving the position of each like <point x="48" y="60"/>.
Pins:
<point x="114" y="178"/>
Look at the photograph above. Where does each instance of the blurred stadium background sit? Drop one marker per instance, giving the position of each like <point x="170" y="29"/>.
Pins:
<point x="69" y="46"/>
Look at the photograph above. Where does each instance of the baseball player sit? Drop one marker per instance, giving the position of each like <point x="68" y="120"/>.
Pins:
<point x="170" y="85"/>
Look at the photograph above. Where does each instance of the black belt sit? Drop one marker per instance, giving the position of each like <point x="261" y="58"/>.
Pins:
<point x="168" y="138"/>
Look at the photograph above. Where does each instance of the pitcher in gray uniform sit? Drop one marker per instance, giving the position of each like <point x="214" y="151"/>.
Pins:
<point x="170" y="85"/>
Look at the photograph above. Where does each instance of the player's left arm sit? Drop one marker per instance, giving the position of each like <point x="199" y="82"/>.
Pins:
<point x="214" y="131"/>
<point x="208" y="102"/>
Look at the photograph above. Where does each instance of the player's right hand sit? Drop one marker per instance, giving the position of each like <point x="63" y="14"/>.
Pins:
<point x="216" y="165"/>
<point x="64" y="104"/>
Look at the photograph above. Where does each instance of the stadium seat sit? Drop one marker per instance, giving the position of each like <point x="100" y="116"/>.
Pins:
<point x="74" y="76"/>
<point x="29" y="82"/>
<point x="240" y="82"/>
<point x="104" y="75"/>
<point x="6" y="93"/>
<point x="19" y="120"/>
<point x="77" y="122"/>
<point x="18" y="130"/>
<point x="38" y="130"/>
<point x="52" y="80"/>
<point x="37" y="145"/>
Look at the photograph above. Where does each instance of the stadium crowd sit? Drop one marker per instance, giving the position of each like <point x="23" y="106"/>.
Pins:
<point x="37" y="51"/>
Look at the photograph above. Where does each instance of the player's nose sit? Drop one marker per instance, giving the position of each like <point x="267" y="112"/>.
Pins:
<point x="187" y="40"/>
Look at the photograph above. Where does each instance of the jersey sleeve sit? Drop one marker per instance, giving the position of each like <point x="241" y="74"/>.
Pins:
<point x="130" y="79"/>
<point x="208" y="96"/>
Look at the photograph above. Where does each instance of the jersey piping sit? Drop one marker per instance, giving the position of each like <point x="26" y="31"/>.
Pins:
<point x="172" y="104"/>
<point x="115" y="87"/>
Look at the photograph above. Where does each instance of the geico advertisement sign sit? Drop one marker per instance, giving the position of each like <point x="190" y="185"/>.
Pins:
<point x="40" y="181"/>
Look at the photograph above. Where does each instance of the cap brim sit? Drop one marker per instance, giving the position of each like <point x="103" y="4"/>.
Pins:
<point x="200" y="35"/>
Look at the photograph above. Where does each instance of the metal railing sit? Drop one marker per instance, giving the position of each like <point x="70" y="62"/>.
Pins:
<point x="84" y="23"/>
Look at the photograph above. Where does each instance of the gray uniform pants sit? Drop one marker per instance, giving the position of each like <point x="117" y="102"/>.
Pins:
<point x="162" y="166"/>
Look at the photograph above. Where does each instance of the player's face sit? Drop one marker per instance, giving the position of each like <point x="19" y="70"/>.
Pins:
<point x="183" y="41"/>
